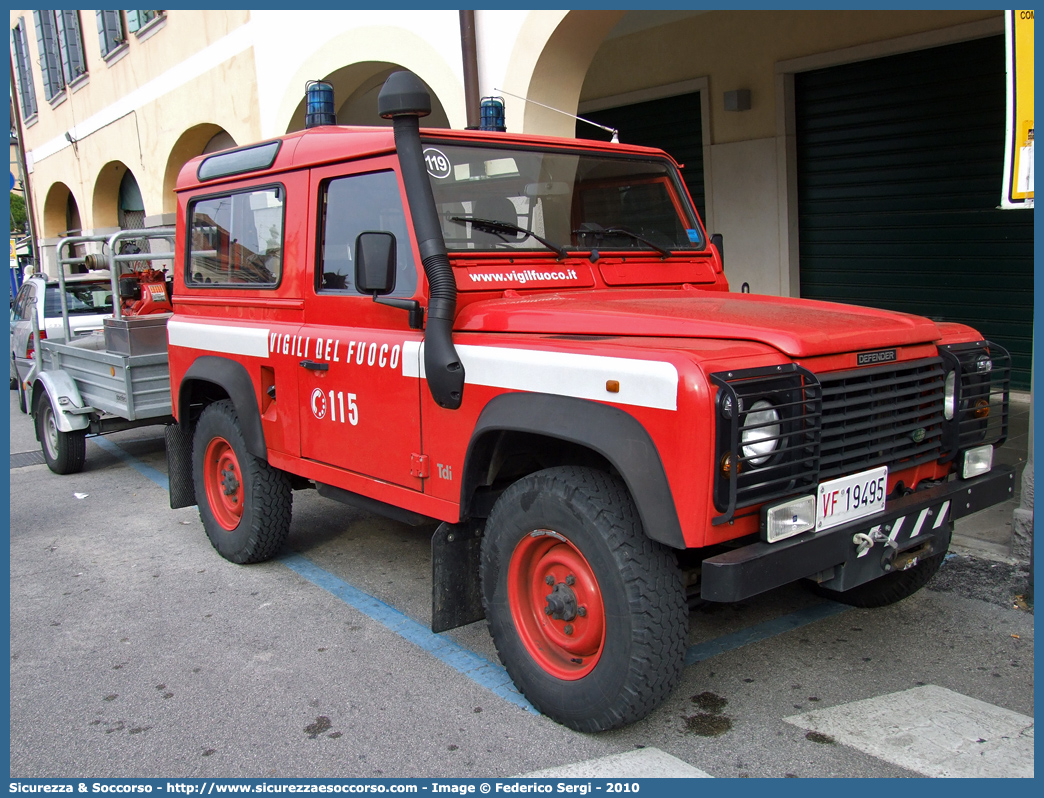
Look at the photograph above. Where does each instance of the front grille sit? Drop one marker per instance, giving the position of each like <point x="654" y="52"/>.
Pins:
<point x="881" y="416"/>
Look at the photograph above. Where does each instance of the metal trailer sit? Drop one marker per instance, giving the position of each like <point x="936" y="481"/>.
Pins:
<point x="103" y="382"/>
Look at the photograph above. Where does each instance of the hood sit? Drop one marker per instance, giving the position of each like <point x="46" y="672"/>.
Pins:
<point x="797" y="327"/>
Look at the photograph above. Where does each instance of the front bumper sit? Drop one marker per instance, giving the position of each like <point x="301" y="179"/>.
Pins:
<point x="913" y="526"/>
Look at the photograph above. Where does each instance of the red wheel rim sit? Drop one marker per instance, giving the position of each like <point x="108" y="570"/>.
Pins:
<point x="224" y="483"/>
<point x="548" y="572"/>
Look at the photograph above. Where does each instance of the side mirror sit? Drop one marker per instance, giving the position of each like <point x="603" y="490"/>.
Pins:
<point x="375" y="263"/>
<point x="718" y="242"/>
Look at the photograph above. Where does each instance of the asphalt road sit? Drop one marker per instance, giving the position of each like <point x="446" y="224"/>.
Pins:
<point x="137" y="651"/>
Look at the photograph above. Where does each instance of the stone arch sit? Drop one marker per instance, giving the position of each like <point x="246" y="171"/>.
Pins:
<point x="197" y="140"/>
<point x="553" y="73"/>
<point x="61" y="212"/>
<point x="105" y="202"/>
<point x="376" y="52"/>
<point x="356" y="87"/>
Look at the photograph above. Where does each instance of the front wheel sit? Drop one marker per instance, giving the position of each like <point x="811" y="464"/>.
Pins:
<point x="65" y="452"/>
<point x="244" y="503"/>
<point x="588" y="614"/>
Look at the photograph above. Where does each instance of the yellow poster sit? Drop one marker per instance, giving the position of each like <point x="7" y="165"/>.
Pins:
<point x="1018" y="148"/>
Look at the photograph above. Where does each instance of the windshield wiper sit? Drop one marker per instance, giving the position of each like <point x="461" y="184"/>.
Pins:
<point x="592" y="228"/>
<point x="497" y="227"/>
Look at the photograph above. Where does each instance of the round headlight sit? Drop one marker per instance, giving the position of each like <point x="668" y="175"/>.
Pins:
<point x="760" y="436"/>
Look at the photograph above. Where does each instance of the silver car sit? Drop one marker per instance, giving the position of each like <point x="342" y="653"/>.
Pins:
<point x="89" y="301"/>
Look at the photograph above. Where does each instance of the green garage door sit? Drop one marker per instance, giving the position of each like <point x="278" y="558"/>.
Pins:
<point x="899" y="178"/>
<point x="674" y="124"/>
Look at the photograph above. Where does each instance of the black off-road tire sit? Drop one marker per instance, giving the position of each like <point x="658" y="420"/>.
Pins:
<point x="589" y="516"/>
<point x="886" y="589"/>
<point x="263" y="493"/>
<point x="65" y="452"/>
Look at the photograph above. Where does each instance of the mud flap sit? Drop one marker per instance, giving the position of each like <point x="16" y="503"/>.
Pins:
<point x="456" y="594"/>
<point x="179" y="466"/>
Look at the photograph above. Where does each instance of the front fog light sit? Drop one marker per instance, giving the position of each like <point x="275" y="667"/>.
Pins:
<point x="977" y="461"/>
<point x="790" y="518"/>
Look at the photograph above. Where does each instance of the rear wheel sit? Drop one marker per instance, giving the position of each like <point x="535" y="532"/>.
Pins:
<point x="245" y="504"/>
<point x="65" y="452"/>
<point x="588" y="614"/>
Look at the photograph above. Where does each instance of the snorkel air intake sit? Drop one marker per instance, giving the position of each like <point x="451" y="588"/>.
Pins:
<point x="404" y="99"/>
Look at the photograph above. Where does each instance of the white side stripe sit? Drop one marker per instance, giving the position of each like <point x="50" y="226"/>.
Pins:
<point x="249" y="341"/>
<point x="942" y="515"/>
<point x="920" y="523"/>
<point x="643" y="383"/>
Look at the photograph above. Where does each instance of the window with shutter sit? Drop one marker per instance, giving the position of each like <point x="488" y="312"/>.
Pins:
<point x="23" y="66"/>
<point x="50" y="63"/>
<point x="70" y="44"/>
<point x="136" y="20"/>
<point x="110" y="31"/>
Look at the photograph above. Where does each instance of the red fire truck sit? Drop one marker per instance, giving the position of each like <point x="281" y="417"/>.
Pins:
<point x="532" y="341"/>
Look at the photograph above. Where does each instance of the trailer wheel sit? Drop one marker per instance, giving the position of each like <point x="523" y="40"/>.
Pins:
<point x="587" y="613"/>
<point x="65" y="452"/>
<point x="245" y="504"/>
<point x="887" y="589"/>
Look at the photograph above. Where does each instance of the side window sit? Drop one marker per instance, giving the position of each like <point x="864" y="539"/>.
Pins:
<point x="19" y="303"/>
<point x="236" y="239"/>
<point x="357" y="204"/>
<point x="27" y="303"/>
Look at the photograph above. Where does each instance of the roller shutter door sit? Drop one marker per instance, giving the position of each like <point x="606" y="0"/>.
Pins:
<point x="674" y="124"/>
<point x="899" y="178"/>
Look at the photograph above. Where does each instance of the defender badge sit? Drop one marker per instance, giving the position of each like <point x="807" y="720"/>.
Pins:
<point x="881" y="356"/>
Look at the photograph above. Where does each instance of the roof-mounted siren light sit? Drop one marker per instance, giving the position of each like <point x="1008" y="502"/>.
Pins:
<point x="492" y="109"/>
<point x="319" y="104"/>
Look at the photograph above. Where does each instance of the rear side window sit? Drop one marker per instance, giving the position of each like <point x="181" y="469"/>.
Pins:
<point x="236" y="239"/>
<point x="24" y="302"/>
<point x="81" y="300"/>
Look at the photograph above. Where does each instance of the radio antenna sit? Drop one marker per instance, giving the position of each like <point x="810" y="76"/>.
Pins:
<point x="614" y="131"/>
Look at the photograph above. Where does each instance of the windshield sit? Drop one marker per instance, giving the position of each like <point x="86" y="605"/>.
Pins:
<point x="81" y="298"/>
<point x="500" y="198"/>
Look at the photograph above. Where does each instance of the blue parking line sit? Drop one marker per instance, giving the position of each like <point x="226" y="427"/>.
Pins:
<point x="145" y="470"/>
<point x="763" y="631"/>
<point x="480" y="670"/>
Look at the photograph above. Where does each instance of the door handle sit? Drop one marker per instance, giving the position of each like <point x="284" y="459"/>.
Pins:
<point x="311" y="365"/>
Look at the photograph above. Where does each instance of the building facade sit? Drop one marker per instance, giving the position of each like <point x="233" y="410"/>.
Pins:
<point x="845" y="155"/>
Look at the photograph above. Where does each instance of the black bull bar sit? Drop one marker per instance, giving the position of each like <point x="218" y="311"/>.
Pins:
<point x="910" y="527"/>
